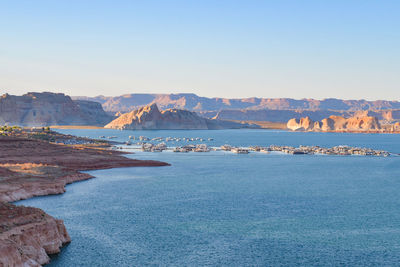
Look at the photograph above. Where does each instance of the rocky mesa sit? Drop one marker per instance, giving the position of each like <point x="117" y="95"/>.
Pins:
<point x="151" y="118"/>
<point x="44" y="109"/>
<point x="336" y="123"/>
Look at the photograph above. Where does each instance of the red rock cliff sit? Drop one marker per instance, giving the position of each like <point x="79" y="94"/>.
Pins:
<point x="335" y="123"/>
<point x="28" y="236"/>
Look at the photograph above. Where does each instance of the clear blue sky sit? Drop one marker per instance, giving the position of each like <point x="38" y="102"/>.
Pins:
<point x="283" y="48"/>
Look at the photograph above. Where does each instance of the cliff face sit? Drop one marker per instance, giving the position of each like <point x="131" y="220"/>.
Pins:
<point x="335" y="123"/>
<point x="363" y="123"/>
<point x="92" y="113"/>
<point x="303" y="124"/>
<point x="151" y="118"/>
<point x="42" y="109"/>
<point x="28" y="235"/>
<point x="193" y="102"/>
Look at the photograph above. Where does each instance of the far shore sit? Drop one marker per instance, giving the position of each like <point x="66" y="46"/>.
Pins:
<point x="76" y="127"/>
<point x="267" y="125"/>
<point x="261" y="124"/>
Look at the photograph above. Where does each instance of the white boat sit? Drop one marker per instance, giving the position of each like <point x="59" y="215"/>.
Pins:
<point x="181" y="149"/>
<point x="147" y="147"/>
<point x="143" y="138"/>
<point x="201" y="148"/>
<point x="161" y="146"/>
<point x="226" y="147"/>
<point x="156" y="149"/>
<point x="239" y="150"/>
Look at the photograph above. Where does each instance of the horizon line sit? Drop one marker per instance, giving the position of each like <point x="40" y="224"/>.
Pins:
<point x="210" y="97"/>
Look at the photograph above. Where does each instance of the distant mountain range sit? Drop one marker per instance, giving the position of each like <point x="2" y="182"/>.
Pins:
<point x="42" y="109"/>
<point x="192" y="102"/>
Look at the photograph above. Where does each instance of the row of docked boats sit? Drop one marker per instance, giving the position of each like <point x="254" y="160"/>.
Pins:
<point x="108" y="137"/>
<point x="149" y="147"/>
<point x="301" y="150"/>
<point x="169" y="139"/>
<point x="341" y="150"/>
<point x="205" y="148"/>
<point x="193" y="148"/>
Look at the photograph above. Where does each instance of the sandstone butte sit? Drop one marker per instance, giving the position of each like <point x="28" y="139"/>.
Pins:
<point x="151" y="118"/>
<point x="341" y="124"/>
<point x="31" y="168"/>
<point x="43" y="109"/>
<point x="280" y="115"/>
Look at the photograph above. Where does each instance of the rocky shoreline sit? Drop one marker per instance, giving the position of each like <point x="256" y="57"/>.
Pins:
<point x="31" y="168"/>
<point x="29" y="235"/>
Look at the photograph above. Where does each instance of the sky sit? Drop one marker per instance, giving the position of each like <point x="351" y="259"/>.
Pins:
<point x="219" y="48"/>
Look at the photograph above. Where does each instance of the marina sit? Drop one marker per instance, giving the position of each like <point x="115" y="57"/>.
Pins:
<point x="159" y="144"/>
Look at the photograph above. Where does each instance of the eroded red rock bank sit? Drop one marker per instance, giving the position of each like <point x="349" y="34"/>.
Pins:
<point x="31" y="168"/>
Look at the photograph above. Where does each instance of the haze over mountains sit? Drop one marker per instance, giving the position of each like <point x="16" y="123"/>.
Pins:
<point x="46" y="109"/>
<point x="192" y="102"/>
<point x="42" y="109"/>
<point x="252" y="109"/>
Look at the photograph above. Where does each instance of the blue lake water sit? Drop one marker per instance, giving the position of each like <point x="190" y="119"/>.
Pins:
<point x="223" y="209"/>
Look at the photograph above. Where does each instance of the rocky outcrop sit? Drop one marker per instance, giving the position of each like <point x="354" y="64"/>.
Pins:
<point x="31" y="168"/>
<point x="336" y="123"/>
<point x="43" y="109"/>
<point x="151" y="118"/>
<point x="362" y="123"/>
<point x="274" y="115"/>
<point x="396" y="127"/>
<point x="303" y="124"/>
<point x="28" y="236"/>
<point x="193" y="102"/>
<point x="19" y="189"/>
